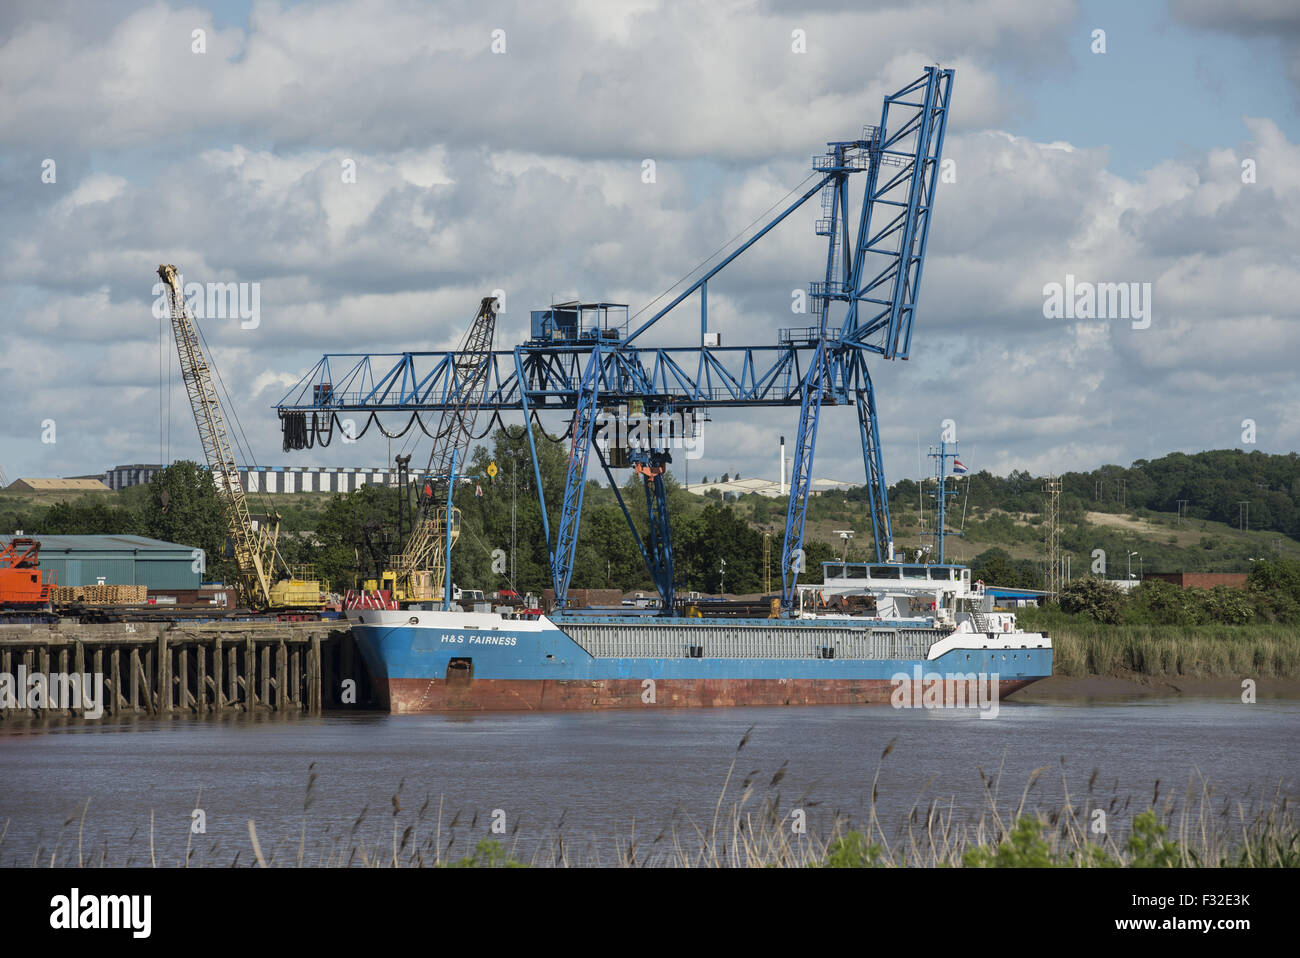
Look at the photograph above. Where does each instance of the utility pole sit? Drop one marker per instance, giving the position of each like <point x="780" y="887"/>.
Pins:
<point x="514" y="510"/>
<point x="1182" y="507"/>
<point x="403" y="496"/>
<point x="1243" y="515"/>
<point x="767" y="562"/>
<point x="943" y="492"/>
<point x="1052" y="534"/>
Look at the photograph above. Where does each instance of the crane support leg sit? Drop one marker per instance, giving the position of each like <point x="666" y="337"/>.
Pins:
<point x="631" y="524"/>
<point x="575" y="481"/>
<point x="792" y="555"/>
<point x="661" y="543"/>
<point x="532" y="445"/>
<point x="877" y="491"/>
<point x="658" y="556"/>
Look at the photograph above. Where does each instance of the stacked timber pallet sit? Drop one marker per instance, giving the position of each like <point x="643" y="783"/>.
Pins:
<point x="100" y="594"/>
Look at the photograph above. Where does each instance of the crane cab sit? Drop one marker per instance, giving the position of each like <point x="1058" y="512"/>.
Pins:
<point x="577" y="322"/>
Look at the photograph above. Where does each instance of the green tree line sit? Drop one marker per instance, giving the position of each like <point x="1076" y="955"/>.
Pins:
<point x="1272" y="595"/>
<point x="350" y="537"/>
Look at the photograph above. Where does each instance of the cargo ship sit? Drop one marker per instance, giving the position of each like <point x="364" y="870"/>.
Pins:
<point x="851" y="641"/>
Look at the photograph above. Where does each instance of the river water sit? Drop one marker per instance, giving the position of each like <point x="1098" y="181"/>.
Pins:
<point x="594" y="778"/>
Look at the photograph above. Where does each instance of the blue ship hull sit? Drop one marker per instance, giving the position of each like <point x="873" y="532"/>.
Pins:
<point x="448" y="661"/>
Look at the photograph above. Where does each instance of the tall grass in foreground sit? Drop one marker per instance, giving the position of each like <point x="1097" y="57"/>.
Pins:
<point x="755" y="829"/>
<point x="1202" y="651"/>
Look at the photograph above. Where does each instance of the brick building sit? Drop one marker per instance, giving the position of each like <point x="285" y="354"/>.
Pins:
<point x="1202" y="580"/>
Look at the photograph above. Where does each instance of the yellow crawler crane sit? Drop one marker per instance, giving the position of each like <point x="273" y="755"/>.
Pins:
<point x="256" y="554"/>
<point x="417" y="574"/>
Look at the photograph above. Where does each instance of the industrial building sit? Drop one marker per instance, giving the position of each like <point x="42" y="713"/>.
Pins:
<point x="1203" y="580"/>
<point x="764" y="487"/>
<point x="287" y="479"/>
<point x="1008" y="599"/>
<point x="273" y="479"/>
<point x="119" y="560"/>
<point x="136" y="474"/>
<point x="80" y="484"/>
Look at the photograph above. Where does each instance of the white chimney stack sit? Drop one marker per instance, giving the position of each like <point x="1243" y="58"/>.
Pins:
<point x="783" y="465"/>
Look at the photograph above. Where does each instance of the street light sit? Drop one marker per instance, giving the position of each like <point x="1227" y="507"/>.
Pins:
<point x="846" y="535"/>
<point x="1130" y="563"/>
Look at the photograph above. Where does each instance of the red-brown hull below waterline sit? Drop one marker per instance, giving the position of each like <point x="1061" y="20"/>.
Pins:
<point x="414" y="696"/>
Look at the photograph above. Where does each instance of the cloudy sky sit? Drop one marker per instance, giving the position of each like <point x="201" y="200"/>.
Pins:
<point x="1172" y="158"/>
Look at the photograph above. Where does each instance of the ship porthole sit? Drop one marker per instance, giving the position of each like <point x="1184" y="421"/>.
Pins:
<point x="413" y="620"/>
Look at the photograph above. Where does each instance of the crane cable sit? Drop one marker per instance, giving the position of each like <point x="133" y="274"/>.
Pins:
<point x="240" y="437"/>
<point x="323" y="434"/>
<point x="920" y="489"/>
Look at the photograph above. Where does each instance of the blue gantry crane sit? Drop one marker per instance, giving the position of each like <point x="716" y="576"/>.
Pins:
<point x="582" y="358"/>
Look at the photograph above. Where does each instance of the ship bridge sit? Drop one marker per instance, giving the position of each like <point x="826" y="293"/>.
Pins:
<point x="895" y="578"/>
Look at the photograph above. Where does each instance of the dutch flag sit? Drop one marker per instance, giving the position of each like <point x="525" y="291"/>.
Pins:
<point x="957" y="468"/>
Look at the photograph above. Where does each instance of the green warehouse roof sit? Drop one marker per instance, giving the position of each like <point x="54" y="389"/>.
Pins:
<point x="102" y="544"/>
<point x="118" y="560"/>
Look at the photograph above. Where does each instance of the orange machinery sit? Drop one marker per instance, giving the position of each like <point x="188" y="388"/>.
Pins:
<point x="20" y="579"/>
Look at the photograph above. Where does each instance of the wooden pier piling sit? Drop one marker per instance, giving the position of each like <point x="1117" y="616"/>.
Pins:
<point x="162" y="668"/>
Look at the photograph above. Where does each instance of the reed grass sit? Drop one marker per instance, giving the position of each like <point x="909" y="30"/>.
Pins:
<point x="751" y="826"/>
<point x="1205" y="651"/>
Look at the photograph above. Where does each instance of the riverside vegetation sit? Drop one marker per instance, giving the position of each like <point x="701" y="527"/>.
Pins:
<point x="1159" y="629"/>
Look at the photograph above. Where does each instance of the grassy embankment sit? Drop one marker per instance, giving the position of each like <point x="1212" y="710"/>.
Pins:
<point x="1083" y="647"/>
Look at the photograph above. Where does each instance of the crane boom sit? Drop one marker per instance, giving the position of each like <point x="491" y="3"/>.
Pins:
<point x="255" y="548"/>
<point x="467" y="383"/>
<point x="456" y="426"/>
